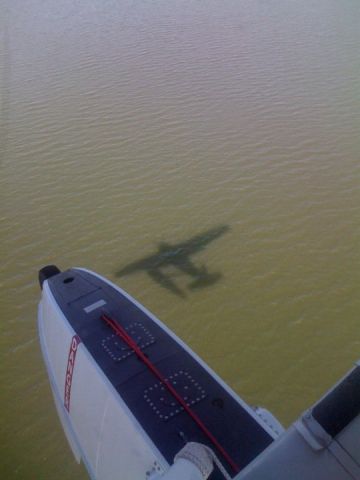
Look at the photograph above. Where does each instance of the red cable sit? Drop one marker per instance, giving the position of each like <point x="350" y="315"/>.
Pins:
<point x="133" y="345"/>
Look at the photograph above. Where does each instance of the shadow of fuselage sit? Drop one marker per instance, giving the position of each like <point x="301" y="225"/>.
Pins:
<point x="178" y="256"/>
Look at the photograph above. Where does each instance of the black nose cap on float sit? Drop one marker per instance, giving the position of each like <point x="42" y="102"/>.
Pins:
<point x="47" y="272"/>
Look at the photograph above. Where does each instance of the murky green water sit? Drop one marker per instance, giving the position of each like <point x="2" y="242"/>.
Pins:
<point x="130" y="128"/>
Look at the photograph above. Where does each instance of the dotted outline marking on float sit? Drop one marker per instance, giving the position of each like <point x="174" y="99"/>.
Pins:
<point x="160" y="386"/>
<point x="120" y="345"/>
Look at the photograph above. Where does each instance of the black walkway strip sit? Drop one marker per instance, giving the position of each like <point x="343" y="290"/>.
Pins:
<point x="120" y="331"/>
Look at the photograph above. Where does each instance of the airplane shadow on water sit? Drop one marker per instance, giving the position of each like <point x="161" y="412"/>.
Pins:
<point x="160" y="265"/>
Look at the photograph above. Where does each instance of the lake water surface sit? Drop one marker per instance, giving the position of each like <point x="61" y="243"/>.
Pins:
<point x="139" y="128"/>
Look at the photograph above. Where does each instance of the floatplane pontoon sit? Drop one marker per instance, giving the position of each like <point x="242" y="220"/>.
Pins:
<point x="137" y="404"/>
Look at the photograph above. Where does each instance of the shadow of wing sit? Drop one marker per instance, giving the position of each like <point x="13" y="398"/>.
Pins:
<point x="144" y="264"/>
<point x="199" y="242"/>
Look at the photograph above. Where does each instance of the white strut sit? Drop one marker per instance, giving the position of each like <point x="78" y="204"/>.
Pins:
<point x="194" y="462"/>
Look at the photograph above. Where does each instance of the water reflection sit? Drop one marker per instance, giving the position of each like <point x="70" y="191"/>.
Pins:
<point x="158" y="265"/>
